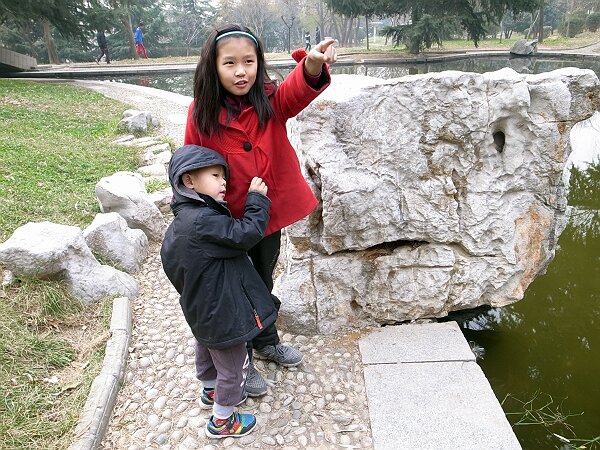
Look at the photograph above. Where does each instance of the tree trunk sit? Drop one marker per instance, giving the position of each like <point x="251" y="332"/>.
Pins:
<point x="126" y="22"/>
<point x="52" y="53"/>
<point x="336" y="30"/>
<point x="569" y="16"/>
<point x="321" y="14"/>
<point x="348" y="25"/>
<point x="289" y="33"/>
<point x="343" y="29"/>
<point x="541" y="24"/>
<point x="415" y="46"/>
<point x="501" y="26"/>
<point x="367" y="30"/>
<point x="534" y="27"/>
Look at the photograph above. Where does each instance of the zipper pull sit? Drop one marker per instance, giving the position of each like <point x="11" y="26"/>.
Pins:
<point x="258" y="322"/>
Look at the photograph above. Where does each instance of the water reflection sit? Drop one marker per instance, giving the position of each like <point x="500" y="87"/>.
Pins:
<point x="550" y="341"/>
<point x="585" y="141"/>
<point x="182" y="84"/>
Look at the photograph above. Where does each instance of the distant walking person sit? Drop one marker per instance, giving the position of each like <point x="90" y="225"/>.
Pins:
<point x="307" y="41"/>
<point x="317" y="35"/>
<point x="139" y="40"/>
<point x="103" y="45"/>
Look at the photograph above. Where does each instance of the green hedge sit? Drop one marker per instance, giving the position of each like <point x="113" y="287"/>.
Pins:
<point x="592" y="22"/>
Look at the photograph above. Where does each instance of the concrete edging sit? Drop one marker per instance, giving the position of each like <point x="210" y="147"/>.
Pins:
<point x="93" y="422"/>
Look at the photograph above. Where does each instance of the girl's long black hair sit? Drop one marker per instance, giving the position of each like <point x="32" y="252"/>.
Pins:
<point x="210" y="96"/>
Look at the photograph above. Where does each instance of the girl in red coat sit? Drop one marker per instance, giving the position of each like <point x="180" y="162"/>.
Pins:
<point x="241" y="113"/>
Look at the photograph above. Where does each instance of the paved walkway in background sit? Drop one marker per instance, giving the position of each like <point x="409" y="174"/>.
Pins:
<point x="129" y="67"/>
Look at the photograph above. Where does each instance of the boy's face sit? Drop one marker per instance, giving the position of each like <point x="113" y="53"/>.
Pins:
<point x="207" y="180"/>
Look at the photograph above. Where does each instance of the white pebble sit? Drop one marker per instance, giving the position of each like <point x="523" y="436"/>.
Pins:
<point x="153" y="420"/>
<point x="160" y="402"/>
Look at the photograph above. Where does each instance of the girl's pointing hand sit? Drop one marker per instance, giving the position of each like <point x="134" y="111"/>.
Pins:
<point x="322" y="53"/>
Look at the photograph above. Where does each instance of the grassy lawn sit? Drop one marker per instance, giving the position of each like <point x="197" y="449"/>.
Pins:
<point x="54" y="147"/>
<point x="555" y="42"/>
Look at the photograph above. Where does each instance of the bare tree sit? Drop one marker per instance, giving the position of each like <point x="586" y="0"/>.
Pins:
<point x="289" y="26"/>
<point x="193" y="29"/>
<point x="290" y="14"/>
<point x="227" y="12"/>
<point x="256" y="14"/>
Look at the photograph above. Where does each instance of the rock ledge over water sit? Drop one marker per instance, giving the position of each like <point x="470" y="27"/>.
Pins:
<point x="438" y="192"/>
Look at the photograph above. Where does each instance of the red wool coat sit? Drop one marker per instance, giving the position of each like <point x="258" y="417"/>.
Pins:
<point x="266" y="153"/>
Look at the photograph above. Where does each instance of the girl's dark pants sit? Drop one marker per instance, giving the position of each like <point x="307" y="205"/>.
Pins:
<point x="264" y="257"/>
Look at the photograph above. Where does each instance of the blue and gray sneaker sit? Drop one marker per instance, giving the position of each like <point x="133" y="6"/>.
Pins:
<point x="236" y="425"/>
<point x="255" y="383"/>
<point x="281" y="354"/>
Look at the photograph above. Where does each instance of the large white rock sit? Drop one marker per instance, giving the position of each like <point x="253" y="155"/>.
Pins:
<point x="162" y="199"/>
<point x="154" y="170"/>
<point x="524" y="48"/>
<point x="136" y="121"/>
<point x="437" y="192"/>
<point x="110" y="237"/>
<point x="51" y="251"/>
<point x="125" y="193"/>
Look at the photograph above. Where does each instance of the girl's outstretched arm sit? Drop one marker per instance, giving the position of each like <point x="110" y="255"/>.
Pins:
<point x="323" y="52"/>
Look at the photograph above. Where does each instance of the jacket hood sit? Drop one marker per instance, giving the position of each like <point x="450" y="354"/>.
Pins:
<point x="188" y="158"/>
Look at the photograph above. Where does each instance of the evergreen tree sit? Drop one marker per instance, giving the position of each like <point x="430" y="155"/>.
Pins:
<point x="431" y="20"/>
<point x="65" y="15"/>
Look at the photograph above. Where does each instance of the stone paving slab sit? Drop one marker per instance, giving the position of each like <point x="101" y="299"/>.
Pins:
<point x="446" y="404"/>
<point x="416" y="343"/>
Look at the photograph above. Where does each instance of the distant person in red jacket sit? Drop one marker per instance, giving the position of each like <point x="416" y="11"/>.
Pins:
<point x="241" y="113"/>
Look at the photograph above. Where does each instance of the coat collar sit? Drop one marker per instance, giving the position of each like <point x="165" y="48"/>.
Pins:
<point x="240" y="104"/>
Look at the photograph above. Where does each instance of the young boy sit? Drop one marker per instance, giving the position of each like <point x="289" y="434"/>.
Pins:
<point x="224" y="300"/>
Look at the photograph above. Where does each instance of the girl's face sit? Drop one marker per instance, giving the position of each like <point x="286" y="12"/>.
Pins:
<point x="236" y="64"/>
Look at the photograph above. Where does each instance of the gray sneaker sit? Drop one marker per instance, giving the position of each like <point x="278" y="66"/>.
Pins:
<point x="255" y="383"/>
<point x="281" y="354"/>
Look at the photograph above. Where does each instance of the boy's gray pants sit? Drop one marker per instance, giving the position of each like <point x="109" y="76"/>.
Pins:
<point x="228" y="366"/>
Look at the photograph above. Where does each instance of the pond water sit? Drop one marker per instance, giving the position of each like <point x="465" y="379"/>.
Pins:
<point x="182" y="83"/>
<point x="543" y="353"/>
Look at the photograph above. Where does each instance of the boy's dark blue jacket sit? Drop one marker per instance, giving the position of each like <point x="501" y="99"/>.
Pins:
<point x="204" y="254"/>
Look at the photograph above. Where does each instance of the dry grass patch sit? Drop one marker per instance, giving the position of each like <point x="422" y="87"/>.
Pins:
<point x="54" y="147"/>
